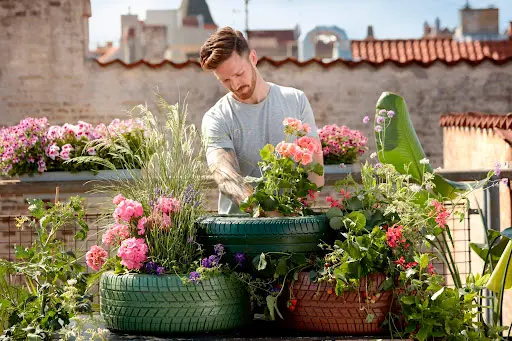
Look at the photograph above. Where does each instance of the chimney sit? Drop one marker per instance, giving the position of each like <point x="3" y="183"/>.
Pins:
<point x="509" y="31"/>
<point x="369" y="34"/>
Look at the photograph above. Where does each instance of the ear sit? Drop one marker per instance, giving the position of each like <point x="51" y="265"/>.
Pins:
<point x="253" y="57"/>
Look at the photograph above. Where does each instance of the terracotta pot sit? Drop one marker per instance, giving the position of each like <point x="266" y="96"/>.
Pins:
<point x="318" y="309"/>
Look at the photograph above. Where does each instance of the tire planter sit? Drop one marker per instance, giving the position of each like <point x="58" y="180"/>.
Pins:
<point x="163" y="304"/>
<point x="253" y="236"/>
<point x="318" y="309"/>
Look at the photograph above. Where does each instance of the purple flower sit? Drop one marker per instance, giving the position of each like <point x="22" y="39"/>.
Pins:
<point x="382" y="111"/>
<point x="190" y="239"/>
<point x="391" y="113"/>
<point x="366" y="119"/>
<point x="214" y="260"/>
<point x="160" y="270"/>
<point x="205" y="263"/>
<point x="378" y="165"/>
<point x="378" y="129"/>
<point x="504" y="181"/>
<point x="497" y="168"/>
<point x="380" y="119"/>
<point x="150" y="267"/>
<point x="239" y="257"/>
<point x="219" y="249"/>
<point x="194" y="276"/>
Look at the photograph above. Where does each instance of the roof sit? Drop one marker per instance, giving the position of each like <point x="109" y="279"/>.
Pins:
<point x="107" y="55"/>
<point x="280" y="35"/>
<point x="195" y="7"/>
<point x="429" y="50"/>
<point x="477" y="120"/>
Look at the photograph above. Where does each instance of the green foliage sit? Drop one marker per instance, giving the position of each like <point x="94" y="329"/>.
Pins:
<point x="54" y="282"/>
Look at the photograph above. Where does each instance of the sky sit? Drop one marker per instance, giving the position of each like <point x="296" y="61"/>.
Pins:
<point x="391" y="19"/>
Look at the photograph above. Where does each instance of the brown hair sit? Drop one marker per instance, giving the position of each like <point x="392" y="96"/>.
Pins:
<point x="220" y="46"/>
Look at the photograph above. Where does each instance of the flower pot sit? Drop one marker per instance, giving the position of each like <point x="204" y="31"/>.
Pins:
<point x="337" y="169"/>
<point x="253" y="236"/>
<point x="120" y="174"/>
<point x="163" y="304"/>
<point x="318" y="309"/>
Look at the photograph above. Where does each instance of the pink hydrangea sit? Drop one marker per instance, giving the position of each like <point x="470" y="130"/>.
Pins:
<point x="168" y="204"/>
<point x="117" y="199"/>
<point x="96" y="257"/>
<point x="141" y="226"/>
<point x="128" y="209"/>
<point x="133" y="253"/>
<point x="115" y="235"/>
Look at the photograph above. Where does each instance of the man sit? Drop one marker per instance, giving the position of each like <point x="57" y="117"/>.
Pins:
<point x="247" y="118"/>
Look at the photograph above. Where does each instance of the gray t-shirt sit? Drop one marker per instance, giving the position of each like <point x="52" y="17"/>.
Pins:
<point x="246" y="128"/>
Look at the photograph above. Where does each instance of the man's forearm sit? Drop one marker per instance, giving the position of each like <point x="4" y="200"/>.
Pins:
<point x="225" y="169"/>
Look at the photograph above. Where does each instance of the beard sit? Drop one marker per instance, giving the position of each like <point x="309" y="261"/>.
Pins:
<point x="246" y="91"/>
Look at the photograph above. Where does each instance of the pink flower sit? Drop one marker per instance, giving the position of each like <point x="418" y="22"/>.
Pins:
<point x="400" y="261"/>
<point x="64" y="155"/>
<point x="440" y="213"/>
<point x="141" y="226"/>
<point x="96" y="257"/>
<point x="309" y="143"/>
<point x="128" y="209"/>
<point x="306" y="159"/>
<point x="115" y="235"/>
<point x="312" y="194"/>
<point x="133" y="253"/>
<point x="52" y="151"/>
<point x="91" y="151"/>
<point x="366" y="119"/>
<point x="168" y="204"/>
<point x="431" y="269"/>
<point x="333" y="202"/>
<point x="117" y="199"/>
<point x="67" y="147"/>
<point x="394" y="236"/>
<point x="294" y="126"/>
<point x="41" y="166"/>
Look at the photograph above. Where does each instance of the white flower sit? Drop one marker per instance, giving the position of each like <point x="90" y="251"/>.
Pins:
<point x="437" y="170"/>
<point x="71" y="281"/>
<point x="360" y="197"/>
<point x="373" y="155"/>
<point x="415" y="188"/>
<point x="425" y="161"/>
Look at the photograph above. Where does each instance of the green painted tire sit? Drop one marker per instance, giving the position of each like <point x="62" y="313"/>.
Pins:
<point x="253" y="236"/>
<point x="163" y="304"/>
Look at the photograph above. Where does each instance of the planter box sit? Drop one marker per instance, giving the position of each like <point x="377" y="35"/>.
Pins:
<point x="336" y="169"/>
<point x="318" y="308"/>
<point x="121" y="174"/>
<point x="145" y="303"/>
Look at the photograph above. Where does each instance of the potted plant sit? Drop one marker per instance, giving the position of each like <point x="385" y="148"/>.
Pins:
<point x="283" y="188"/>
<point x="36" y="151"/>
<point x="341" y="147"/>
<point x="154" y="275"/>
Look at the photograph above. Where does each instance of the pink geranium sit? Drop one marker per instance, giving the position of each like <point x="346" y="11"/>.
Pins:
<point x="116" y="234"/>
<point x="96" y="257"/>
<point x="168" y="204"/>
<point x="133" y="253"/>
<point x="141" y="226"/>
<point x="341" y="144"/>
<point x="128" y="209"/>
<point x="394" y="236"/>
<point x="117" y="199"/>
<point x="294" y="126"/>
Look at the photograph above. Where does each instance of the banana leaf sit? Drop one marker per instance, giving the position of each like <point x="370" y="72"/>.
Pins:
<point x="399" y="145"/>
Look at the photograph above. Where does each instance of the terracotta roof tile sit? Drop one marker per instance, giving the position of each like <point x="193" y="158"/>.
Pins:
<point x="429" y="50"/>
<point x="477" y="120"/>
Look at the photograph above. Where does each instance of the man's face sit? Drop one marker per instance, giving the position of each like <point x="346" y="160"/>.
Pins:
<point x="238" y="74"/>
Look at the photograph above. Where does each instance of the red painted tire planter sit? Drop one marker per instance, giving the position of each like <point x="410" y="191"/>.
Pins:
<point x="319" y="311"/>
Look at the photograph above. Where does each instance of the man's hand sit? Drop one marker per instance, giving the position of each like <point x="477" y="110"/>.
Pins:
<point x="224" y="166"/>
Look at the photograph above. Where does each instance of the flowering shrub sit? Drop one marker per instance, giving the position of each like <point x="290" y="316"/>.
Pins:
<point x="285" y="186"/>
<point x="33" y="146"/>
<point x="341" y="145"/>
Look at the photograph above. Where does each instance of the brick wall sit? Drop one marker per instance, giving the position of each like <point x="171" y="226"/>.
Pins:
<point x="43" y="72"/>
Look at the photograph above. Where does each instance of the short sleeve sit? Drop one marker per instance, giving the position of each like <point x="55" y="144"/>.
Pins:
<point x="215" y="133"/>
<point x="306" y="114"/>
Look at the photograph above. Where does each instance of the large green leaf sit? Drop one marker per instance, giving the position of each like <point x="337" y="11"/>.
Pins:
<point x="399" y="145"/>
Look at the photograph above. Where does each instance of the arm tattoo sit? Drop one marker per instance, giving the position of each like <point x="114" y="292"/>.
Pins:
<point x="224" y="166"/>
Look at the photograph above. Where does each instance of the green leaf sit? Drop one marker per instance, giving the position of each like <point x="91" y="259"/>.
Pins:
<point x="262" y="264"/>
<point x="408" y="300"/>
<point x="424" y="332"/>
<point x="334" y="212"/>
<point x="507" y="232"/>
<point x="266" y="152"/>
<point x="355" y="221"/>
<point x="315" y="167"/>
<point x="369" y="318"/>
<point x="272" y="307"/>
<point x="437" y="293"/>
<point x="312" y="275"/>
<point x="282" y="267"/>
<point x="335" y="223"/>
<point x="399" y="145"/>
<point x="36" y="207"/>
<point x="423" y="261"/>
